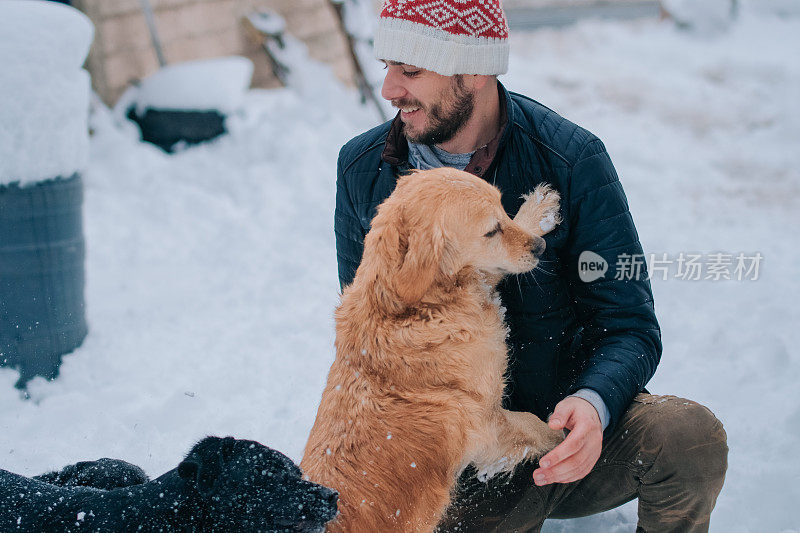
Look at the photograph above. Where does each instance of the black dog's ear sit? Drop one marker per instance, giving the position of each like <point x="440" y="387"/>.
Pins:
<point x="226" y="448"/>
<point x="205" y="462"/>
<point x="188" y="470"/>
<point x="201" y="471"/>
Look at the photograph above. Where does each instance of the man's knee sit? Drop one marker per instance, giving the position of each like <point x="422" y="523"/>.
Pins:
<point x="691" y="440"/>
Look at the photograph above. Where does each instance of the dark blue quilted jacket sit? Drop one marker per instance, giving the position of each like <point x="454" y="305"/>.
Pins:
<point x="566" y="334"/>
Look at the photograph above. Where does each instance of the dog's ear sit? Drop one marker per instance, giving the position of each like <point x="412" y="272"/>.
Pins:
<point x="406" y="249"/>
<point x="226" y="447"/>
<point x="422" y="261"/>
<point x="205" y="462"/>
<point x="188" y="468"/>
<point x="383" y="251"/>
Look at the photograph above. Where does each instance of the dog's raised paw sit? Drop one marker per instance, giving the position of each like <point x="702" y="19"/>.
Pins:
<point x="539" y="213"/>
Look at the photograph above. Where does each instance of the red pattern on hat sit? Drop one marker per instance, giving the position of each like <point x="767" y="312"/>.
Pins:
<point x="477" y="18"/>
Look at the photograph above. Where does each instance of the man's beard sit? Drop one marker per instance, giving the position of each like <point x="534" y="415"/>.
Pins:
<point x="446" y="117"/>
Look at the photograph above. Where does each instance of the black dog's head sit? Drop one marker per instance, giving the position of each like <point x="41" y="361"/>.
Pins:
<point x="249" y="487"/>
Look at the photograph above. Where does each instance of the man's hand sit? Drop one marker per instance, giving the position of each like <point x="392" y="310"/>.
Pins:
<point x="575" y="457"/>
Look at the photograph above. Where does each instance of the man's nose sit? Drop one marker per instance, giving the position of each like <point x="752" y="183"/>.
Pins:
<point x="392" y="88"/>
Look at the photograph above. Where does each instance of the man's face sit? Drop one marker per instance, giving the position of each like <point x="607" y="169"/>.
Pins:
<point x="433" y="107"/>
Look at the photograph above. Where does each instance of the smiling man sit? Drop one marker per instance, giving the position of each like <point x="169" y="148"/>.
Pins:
<point x="581" y="347"/>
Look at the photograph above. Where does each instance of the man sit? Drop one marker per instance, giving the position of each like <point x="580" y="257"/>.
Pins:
<point x="582" y="346"/>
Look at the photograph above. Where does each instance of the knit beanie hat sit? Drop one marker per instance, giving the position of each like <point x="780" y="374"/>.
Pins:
<point x="446" y="36"/>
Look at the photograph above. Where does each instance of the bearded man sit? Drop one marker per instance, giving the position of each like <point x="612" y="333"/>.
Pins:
<point x="582" y="346"/>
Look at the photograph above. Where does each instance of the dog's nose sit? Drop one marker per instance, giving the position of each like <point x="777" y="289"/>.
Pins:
<point x="332" y="497"/>
<point x="327" y="496"/>
<point x="537" y="246"/>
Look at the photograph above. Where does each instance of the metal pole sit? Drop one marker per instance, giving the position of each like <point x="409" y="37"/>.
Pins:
<point x="151" y="25"/>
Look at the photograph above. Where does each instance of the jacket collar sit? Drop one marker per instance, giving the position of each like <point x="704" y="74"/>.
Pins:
<point x="395" y="151"/>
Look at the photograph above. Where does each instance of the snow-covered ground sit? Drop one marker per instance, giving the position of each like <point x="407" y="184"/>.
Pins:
<point x="212" y="273"/>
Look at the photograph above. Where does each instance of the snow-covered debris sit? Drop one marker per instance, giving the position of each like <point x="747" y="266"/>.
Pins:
<point x="268" y="22"/>
<point x="44" y="92"/>
<point x="360" y="19"/>
<point x="217" y="84"/>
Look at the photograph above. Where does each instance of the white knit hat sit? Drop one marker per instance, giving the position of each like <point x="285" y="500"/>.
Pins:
<point x="446" y="36"/>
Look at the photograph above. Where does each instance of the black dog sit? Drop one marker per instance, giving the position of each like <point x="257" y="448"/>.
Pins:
<point x="223" y="485"/>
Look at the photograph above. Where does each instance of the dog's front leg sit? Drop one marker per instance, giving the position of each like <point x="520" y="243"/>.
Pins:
<point x="539" y="213"/>
<point x="515" y="437"/>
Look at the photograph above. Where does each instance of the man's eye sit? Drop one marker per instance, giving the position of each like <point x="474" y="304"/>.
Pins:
<point x="410" y="73"/>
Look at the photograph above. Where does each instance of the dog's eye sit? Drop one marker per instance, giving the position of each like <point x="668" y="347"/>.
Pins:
<point x="497" y="229"/>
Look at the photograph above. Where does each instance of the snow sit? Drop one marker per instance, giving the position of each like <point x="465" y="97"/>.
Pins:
<point x="548" y="223"/>
<point x="202" y="85"/>
<point x="359" y="18"/>
<point x="268" y="22"/>
<point x="703" y="15"/>
<point x="211" y="274"/>
<point x="43" y="112"/>
<point x="27" y="27"/>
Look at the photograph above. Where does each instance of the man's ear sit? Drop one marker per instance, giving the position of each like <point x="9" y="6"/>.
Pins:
<point x="479" y="81"/>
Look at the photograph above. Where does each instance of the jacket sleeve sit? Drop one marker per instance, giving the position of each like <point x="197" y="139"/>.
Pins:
<point x="620" y="334"/>
<point x="348" y="230"/>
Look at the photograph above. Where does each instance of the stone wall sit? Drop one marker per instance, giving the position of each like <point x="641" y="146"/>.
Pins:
<point x="195" y="29"/>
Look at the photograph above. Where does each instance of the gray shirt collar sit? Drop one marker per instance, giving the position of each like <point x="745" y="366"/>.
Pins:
<point x="425" y="157"/>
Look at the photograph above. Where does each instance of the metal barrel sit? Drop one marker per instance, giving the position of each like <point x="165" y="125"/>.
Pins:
<point x="42" y="276"/>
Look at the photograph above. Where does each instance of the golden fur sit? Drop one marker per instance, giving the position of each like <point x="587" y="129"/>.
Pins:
<point x="414" y="394"/>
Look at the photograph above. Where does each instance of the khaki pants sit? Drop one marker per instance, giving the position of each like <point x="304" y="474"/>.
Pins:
<point x="669" y="452"/>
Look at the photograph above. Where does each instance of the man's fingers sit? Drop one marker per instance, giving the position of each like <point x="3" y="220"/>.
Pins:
<point x="576" y="455"/>
<point x="568" y="447"/>
<point x="560" y="417"/>
<point x="573" y="469"/>
<point x="559" y="471"/>
<point x="571" y="466"/>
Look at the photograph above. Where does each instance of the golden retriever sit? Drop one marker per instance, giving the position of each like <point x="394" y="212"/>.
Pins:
<point x="414" y="394"/>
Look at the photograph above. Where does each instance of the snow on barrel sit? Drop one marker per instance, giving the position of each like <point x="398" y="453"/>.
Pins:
<point x="44" y="108"/>
<point x="44" y="145"/>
